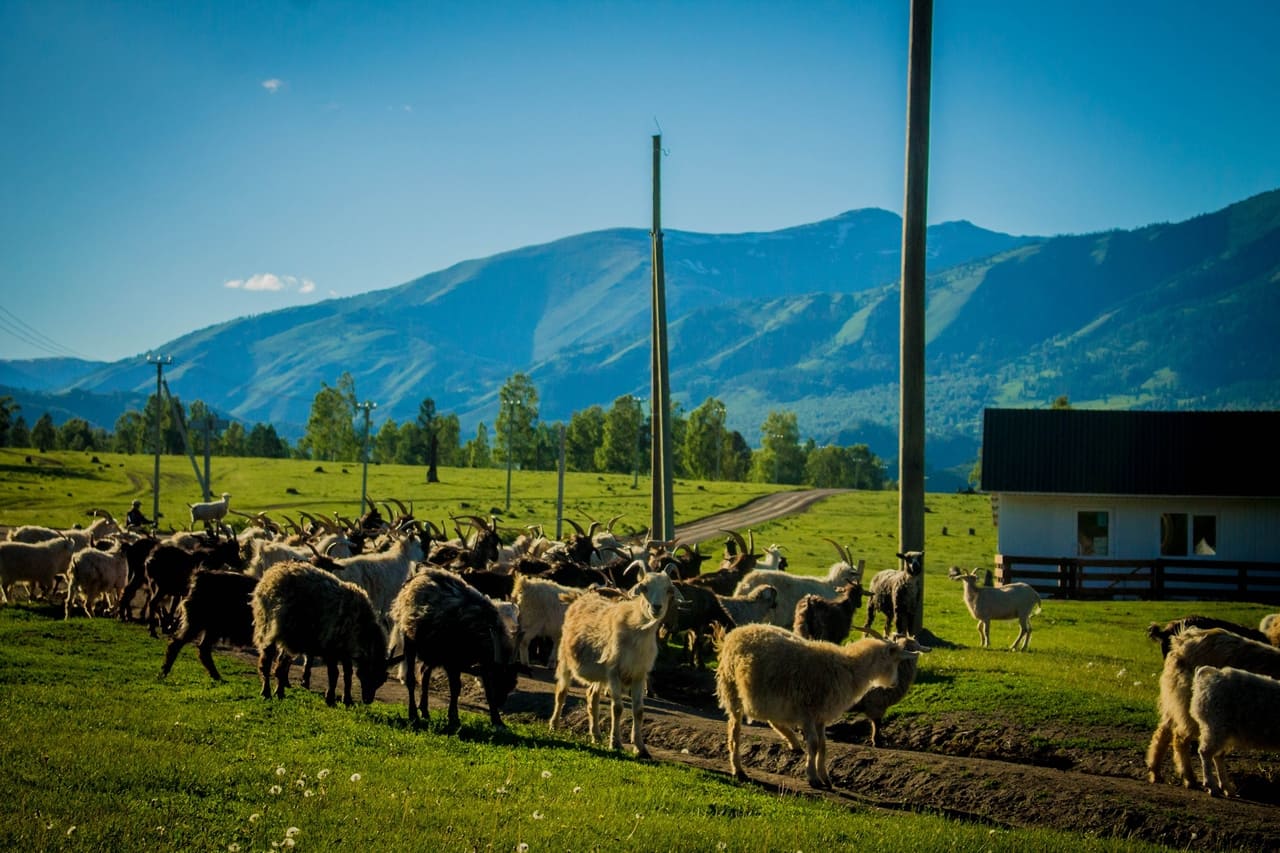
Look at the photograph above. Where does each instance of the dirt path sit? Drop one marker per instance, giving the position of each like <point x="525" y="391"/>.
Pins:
<point x="766" y="508"/>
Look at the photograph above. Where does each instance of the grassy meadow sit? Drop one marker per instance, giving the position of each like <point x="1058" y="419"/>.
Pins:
<point x="100" y="754"/>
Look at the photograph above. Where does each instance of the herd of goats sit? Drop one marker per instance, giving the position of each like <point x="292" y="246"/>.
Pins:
<point x="388" y="589"/>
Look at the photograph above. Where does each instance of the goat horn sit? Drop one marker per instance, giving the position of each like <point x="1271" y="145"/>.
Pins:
<point x="612" y="521"/>
<point x="400" y="504"/>
<point x="869" y="630"/>
<point x="576" y="526"/>
<point x="841" y="552"/>
<point x="594" y="526"/>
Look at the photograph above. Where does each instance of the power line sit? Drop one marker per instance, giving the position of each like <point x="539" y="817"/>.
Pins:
<point x="16" y="326"/>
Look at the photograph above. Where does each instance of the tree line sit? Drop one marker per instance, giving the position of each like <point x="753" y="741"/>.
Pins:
<point x="597" y="439"/>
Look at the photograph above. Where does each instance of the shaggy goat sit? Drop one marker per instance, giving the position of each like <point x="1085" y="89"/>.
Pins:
<point x="37" y="564"/>
<point x="1011" y="601"/>
<point x="896" y="594"/>
<point x="817" y="618"/>
<point x="102" y="526"/>
<point x="95" y="574"/>
<point x="791" y="588"/>
<point x="768" y="673"/>
<point x="1164" y="635"/>
<point x="167" y="572"/>
<point x="301" y="610"/>
<point x="448" y="624"/>
<point x="876" y="702"/>
<point x="218" y="605"/>
<point x="612" y="644"/>
<point x="1235" y="709"/>
<point x="1190" y="650"/>
<point x="542" y="605"/>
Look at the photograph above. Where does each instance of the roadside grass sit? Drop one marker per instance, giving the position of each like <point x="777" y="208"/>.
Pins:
<point x="100" y="754"/>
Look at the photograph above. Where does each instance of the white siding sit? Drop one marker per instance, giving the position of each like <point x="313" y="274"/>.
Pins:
<point x="1045" y="525"/>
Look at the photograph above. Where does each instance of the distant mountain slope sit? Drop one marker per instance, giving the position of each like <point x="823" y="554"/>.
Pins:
<point x="804" y="319"/>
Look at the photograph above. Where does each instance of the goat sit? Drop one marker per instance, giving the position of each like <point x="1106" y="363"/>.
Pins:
<point x="37" y="564"/>
<point x="896" y="593"/>
<point x="756" y="606"/>
<point x="612" y="644"/>
<point x="1164" y="635"/>
<point x="876" y="702"/>
<point x="1189" y="650"/>
<point x="217" y="606"/>
<point x="698" y="612"/>
<point x="102" y="526"/>
<point x="210" y="513"/>
<point x="542" y="605"/>
<point x="167" y="571"/>
<point x="446" y="623"/>
<point x="817" y="618"/>
<point x="301" y="610"/>
<point x="791" y="588"/>
<point x="94" y="574"/>
<point x="1011" y="601"/>
<point x="768" y="673"/>
<point x="1234" y="709"/>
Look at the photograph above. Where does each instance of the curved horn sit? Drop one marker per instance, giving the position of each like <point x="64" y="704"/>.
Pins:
<point x="612" y="521"/>
<point x="595" y="525"/>
<point x="738" y="540"/>
<point x="841" y="551"/>
<point x="576" y="526"/>
<point x="869" y="630"/>
<point x="400" y="504"/>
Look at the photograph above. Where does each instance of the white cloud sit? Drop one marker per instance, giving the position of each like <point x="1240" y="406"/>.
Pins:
<point x="272" y="283"/>
<point x="275" y="84"/>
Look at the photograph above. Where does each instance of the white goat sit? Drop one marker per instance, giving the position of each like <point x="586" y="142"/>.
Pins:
<point x="791" y="588"/>
<point x="1011" y="601"/>
<point x="756" y="606"/>
<point x="768" y="673"/>
<point x="1234" y="709"/>
<point x="103" y="525"/>
<point x="612" y="644"/>
<point x="37" y="565"/>
<point x="95" y="574"/>
<point x="1189" y="651"/>
<point x="210" y="513"/>
<point x="542" y="605"/>
<point x="382" y="575"/>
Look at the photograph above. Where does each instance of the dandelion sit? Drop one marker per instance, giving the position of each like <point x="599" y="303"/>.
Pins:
<point x="1137" y="684"/>
<point x="301" y="783"/>
<point x="722" y="846"/>
<point x="500" y="790"/>
<point x="323" y="773"/>
<point x="577" y="789"/>
<point x="274" y="790"/>
<point x="255" y="817"/>
<point x="546" y="774"/>
<point x="288" y="842"/>
<point x="291" y="832"/>
<point x="1122" y="673"/>
<point x="355" y="777"/>
<point x="684" y="751"/>
<point x="280" y="770"/>
<point x="308" y="793"/>
<point x="538" y="815"/>
<point x="233" y="847"/>
<point x="239" y="716"/>
<point x="522" y="847"/>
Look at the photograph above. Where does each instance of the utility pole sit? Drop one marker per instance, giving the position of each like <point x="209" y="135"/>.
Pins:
<point x="719" y="437"/>
<point x="160" y="362"/>
<point x="511" y="414"/>
<point x="210" y="424"/>
<point x="367" y="407"/>
<point x="662" y="521"/>
<point x="911" y="408"/>
<point x="635" y="469"/>
<point x="560" y="487"/>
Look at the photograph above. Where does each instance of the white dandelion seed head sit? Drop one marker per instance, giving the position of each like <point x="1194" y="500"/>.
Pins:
<point x="308" y="793"/>
<point x="280" y="770"/>
<point x="233" y="847"/>
<point x="546" y="774"/>
<point x="288" y="842"/>
<point x="239" y="716"/>
<point x="323" y="773"/>
<point x="274" y="789"/>
<point x="577" y="789"/>
<point x="291" y="832"/>
<point x="355" y="777"/>
<point x="255" y="817"/>
<point x="522" y="847"/>
<point x="538" y="815"/>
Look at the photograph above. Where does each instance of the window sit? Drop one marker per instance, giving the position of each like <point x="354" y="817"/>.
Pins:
<point x="1092" y="533"/>
<point x="1182" y="534"/>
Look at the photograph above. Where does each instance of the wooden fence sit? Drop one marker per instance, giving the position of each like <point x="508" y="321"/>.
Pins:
<point x="1156" y="579"/>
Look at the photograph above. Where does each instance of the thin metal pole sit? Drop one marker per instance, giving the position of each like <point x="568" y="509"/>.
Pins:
<point x="511" y="413"/>
<point x="560" y="488"/>
<point x="364" y="452"/>
<point x="911" y="408"/>
<point x="208" y="450"/>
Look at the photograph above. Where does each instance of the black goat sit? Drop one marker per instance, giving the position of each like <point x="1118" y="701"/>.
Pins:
<point x="218" y="606"/>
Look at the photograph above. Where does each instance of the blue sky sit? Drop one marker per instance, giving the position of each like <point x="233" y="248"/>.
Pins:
<point x="167" y="166"/>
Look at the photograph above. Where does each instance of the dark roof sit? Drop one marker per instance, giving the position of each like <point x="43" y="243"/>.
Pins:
<point x="1082" y="451"/>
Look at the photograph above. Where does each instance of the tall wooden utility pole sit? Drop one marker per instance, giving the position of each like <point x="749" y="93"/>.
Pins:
<point x="159" y="361"/>
<point x="367" y="406"/>
<point x="662" y="523"/>
<point x="911" y="407"/>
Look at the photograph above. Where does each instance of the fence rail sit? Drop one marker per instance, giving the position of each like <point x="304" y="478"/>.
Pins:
<point x="1157" y="579"/>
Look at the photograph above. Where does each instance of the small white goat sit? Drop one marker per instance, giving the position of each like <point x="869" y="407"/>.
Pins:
<point x="768" y="673"/>
<point x="103" y="525"/>
<point x="756" y="606"/>
<point x="1011" y="601"/>
<point x="37" y="565"/>
<point x="612" y="644"/>
<point x="542" y="605"/>
<point x="1234" y="709"/>
<point x="95" y="574"/>
<point x="210" y="513"/>
<point x="791" y="588"/>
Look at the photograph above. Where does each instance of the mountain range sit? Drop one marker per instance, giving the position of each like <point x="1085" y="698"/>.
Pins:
<point x="1171" y="315"/>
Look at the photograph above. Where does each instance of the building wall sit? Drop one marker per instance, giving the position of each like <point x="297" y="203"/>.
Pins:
<point x="1248" y="529"/>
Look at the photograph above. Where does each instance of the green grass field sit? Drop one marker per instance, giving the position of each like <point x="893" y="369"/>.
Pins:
<point x="100" y="754"/>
